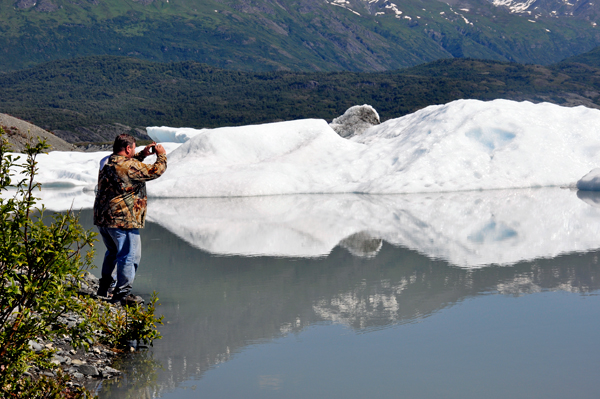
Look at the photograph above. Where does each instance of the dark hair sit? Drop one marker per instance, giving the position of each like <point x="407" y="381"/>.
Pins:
<point x="122" y="141"/>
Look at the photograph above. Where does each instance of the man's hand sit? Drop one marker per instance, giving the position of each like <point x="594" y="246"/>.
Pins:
<point x="159" y="149"/>
<point x="149" y="149"/>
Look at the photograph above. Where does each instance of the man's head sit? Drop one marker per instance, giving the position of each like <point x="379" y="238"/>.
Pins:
<point x="124" y="145"/>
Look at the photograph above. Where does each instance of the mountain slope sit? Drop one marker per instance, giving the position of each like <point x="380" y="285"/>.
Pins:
<point x="306" y="35"/>
<point x="18" y="133"/>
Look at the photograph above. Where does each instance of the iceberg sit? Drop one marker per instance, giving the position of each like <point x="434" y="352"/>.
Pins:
<point x="463" y="145"/>
<point x="165" y="134"/>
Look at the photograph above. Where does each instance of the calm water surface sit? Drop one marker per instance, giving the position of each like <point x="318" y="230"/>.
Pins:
<point x="368" y="320"/>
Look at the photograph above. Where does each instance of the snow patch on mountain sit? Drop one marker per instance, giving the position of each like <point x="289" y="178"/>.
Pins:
<point x="514" y="6"/>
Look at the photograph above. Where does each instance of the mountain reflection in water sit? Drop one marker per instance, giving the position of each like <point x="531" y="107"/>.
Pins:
<point x="366" y="262"/>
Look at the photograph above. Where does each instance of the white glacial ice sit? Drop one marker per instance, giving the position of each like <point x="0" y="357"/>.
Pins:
<point x="463" y="145"/>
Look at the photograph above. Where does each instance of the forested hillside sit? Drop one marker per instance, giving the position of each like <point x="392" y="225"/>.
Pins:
<point x="69" y="95"/>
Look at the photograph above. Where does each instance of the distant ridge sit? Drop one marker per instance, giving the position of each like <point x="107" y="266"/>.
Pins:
<point x="591" y="58"/>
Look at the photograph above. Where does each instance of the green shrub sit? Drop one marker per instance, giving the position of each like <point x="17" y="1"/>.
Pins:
<point x="42" y="263"/>
<point x="119" y="326"/>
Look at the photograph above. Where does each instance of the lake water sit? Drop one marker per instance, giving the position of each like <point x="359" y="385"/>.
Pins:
<point x="457" y="295"/>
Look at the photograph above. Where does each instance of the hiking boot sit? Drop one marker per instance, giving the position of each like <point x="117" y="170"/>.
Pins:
<point x="105" y="287"/>
<point x="132" y="300"/>
<point x="103" y="292"/>
<point x="116" y="298"/>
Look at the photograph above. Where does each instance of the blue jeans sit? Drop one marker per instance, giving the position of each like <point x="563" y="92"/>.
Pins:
<point x="123" y="251"/>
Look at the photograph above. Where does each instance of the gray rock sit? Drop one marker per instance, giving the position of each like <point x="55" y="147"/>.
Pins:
<point x="355" y="121"/>
<point x="78" y="375"/>
<point x="35" y="346"/>
<point x="91" y="278"/>
<point x="77" y="362"/>
<point x="109" y="372"/>
<point x="57" y="360"/>
<point x="87" y="369"/>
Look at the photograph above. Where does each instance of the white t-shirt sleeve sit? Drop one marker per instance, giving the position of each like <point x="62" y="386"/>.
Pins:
<point x="103" y="161"/>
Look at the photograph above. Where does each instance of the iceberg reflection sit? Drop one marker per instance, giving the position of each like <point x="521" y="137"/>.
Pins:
<point x="468" y="229"/>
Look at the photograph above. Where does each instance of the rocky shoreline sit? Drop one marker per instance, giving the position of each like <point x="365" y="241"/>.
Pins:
<point x="83" y="367"/>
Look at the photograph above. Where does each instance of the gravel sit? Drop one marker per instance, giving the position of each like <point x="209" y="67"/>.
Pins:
<point x="79" y="364"/>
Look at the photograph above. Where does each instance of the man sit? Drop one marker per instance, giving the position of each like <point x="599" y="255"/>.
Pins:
<point x="120" y="211"/>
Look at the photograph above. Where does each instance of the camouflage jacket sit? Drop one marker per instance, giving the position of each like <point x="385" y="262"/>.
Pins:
<point x="121" y="197"/>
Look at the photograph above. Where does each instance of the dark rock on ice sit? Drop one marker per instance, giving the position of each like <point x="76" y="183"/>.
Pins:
<point x="590" y="182"/>
<point x="355" y="120"/>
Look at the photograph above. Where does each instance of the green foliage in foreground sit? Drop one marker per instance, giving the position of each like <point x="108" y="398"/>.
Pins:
<point x="121" y="326"/>
<point x="42" y="264"/>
